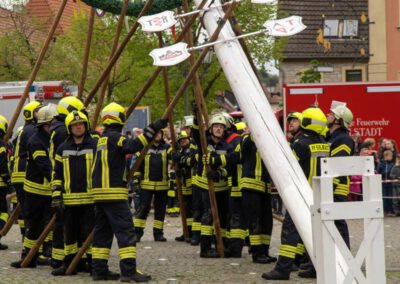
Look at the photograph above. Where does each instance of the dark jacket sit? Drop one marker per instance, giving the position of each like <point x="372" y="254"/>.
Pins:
<point x="38" y="170"/>
<point x="73" y="171"/>
<point x="109" y="172"/>
<point x="20" y="152"/>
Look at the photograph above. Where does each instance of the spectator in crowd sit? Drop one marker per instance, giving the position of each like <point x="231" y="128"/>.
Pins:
<point x="357" y="142"/>
<point x="395" y="174"/>
<point x="387" y="144"/>
<point x="384" y="168"/>
<point x="355" y="181"/>
<point x="370" y="143"/>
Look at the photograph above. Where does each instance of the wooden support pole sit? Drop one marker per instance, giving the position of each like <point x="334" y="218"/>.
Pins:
<point x="11" y="220"/>
<point x="87" y="51"/>
<point x="174" y="149"/>
<point x="156" y="72"/>
<point x="172" y="105"/>
<point x="114" y="47"/>
<point x="117" y="54"/>
<point x="85" y="246"/>
<point x="35" y="70"/>
<point x="27" y="260"/>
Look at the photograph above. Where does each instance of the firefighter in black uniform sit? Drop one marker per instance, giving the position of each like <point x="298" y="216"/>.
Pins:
<point x="37" y="182"/>
<point x="185" y="158"/>
<point x="4" y="177"/>
<point x="255" y="186"/>
<point x="309" y="148"/>
<point x="72" y="185"/>
<point x="154" y="182"/>
<point x="342" y="145"/>
<point x="236" y="226"/>
<point x="20" y="154"/>
<point x="112" y="213"/>
<point x="58" y="135"/>
<point x="217" y="157"/>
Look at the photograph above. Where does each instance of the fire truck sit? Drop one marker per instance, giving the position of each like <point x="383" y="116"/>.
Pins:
<point x="46" y="92"/>
<point x="375" y="106"/>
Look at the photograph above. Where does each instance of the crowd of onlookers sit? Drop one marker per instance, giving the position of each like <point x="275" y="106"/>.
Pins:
<point x="387" y="163"/>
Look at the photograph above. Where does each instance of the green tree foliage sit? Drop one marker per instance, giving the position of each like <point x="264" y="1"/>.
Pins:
<point x="310" y="75"/>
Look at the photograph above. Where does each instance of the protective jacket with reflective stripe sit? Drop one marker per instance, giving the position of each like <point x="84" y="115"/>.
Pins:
<point x="38" y="170"/>
<point x="254" y="173"/>
<point x="58" y="135"/>
<point x="20" y="152"/>
<point x="154" y="169"/>
<point x="341" y="146"/>
<point x="4" y="172"/>
<point x="309" y="148"/>
<point x="109" y="169"/>
<point x="73" y="171"/>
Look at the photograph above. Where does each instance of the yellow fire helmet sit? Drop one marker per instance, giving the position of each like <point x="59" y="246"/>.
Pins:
<point x="3" y="124"/>
<point x="30" y="109"/>
<point x="314" y="119"/>
<point x="113" y="113"/>
<point x="68" y="104"/>
<point x="75" y="117"/>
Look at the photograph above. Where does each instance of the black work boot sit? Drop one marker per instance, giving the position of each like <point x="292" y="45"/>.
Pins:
<point x="61" y="271"/>
<point x="276" y="275"/>
<point x="109" y="275"/>
<point x="180" y="238"/>
<point x="3" y="247"/>
<point x="195" y="241"/>
<point x="137" y="277"/>
<point x="17" y="264"/>
<point x="309" y="273"/>
<point x="137" y="237"/>
<point x="159" y="238"/>
<point x="210" y="253"/>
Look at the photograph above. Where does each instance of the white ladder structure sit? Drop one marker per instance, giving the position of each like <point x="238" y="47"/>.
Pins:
<point x="269" y="138"/>
<point x="326" y="238"/>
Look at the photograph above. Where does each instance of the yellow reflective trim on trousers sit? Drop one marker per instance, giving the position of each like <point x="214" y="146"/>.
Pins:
<point x="127" y="252"/>
<point x="57" y="254"/>
<point x="139" y="223"/>
<point x="300" y="249"/>
<point x="287" y="251"/>
<point x="29" y="243"/>
<point x="67" y="175"/>
<point x="171" y="193"/>
<point x="21" y="223"/>
<point x="39" y="153"/>
<point x="4" y="216"/>
<point x="187" y="190"/>
<point x="218" y="186"/>
<point x="255" y="240"/>
<point x="158" y="224"/>
<point x="100" y="253"/>
<point x="237" y="234"/>
<point x="80" y="198"/>
<point x="70" y="249"/>
<point x="154" y="185"/>
<point x="266" y="239"/>
<point x="114" y="193"/>
<point x="206" y="230"/>
<point x="49" y="237"/>
<point x="342" y="147"/>
<point x="196" y="226"/>
<point x="189" y="221"/>
<point x="37" y="188"/>
<point x="250" y="183"/>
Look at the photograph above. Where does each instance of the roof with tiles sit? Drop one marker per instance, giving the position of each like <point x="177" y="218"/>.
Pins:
<point x="312" y="44"/>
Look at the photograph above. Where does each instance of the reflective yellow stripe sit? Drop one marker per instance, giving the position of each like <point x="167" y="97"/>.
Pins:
<point x="255" y="240"/>
<point x="100" y="253"/>
<point x="196" y="226"/>
<point x="143" y="140"/>
<point x="17" y="177"/>
<point x="57" y="254"/>
<point x="189" y="221"/>
<point x="237" y="234"/>
<point x="287" y="251"/>
<point x="251" y="183"/>
<point x="89" y="162"/>
<point x="114" y="193"/>
<point x="154" y="185"/>
<point x="206" y="230"/>
<point x="39" y="153"/>
<point x="37" y="188"/>
<point x="127" y="252"/>
<point x="139" y="223"/>
<point x="120" y="142"/>
<point x="51" y="150"/>
<point x="59" y="158"/>
<point x="29" y="243"/>
<point x="67" y="175"/>
<point x="2" y="149"/>
<point x="4" y="216"/>
<point x="158" y="224"/>
<point x="265" y="239"/>
<point x="80" y="198"/>
<point x="21" y="223"/>
<point x="300" y="249"/>
<point x="342" y="147"/>
<point x="71" y="249"/>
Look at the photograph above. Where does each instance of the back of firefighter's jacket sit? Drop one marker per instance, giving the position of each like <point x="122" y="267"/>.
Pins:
<point x="109" y="169"/>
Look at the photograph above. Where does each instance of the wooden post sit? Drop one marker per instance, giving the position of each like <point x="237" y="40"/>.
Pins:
<point x="117" y="54"/>
<point x="182" y="88"/>
<point x="199" y="98"/>
<point x="81" y="252"/>
<point x="27" y="260"/>
<point x="86" y="52"/>
<point x="11" y="220"/>
<point x="174" y="149"/>
<point x="114" y="47"/>
<point x="155" y="74"/>
<point x="35" y="71"/>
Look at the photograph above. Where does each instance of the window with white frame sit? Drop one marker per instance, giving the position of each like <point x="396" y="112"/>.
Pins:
<point x="340" y="28"/>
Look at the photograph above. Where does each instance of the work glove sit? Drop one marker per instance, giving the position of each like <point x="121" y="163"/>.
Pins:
<point x="150" y="131"/>
<point x="214" y="159"/>
<point x="217" y="175"/>
<point x="57" y="204"/>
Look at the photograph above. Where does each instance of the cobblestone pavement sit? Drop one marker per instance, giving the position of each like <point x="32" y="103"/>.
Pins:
<point x="174" y="262"/>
